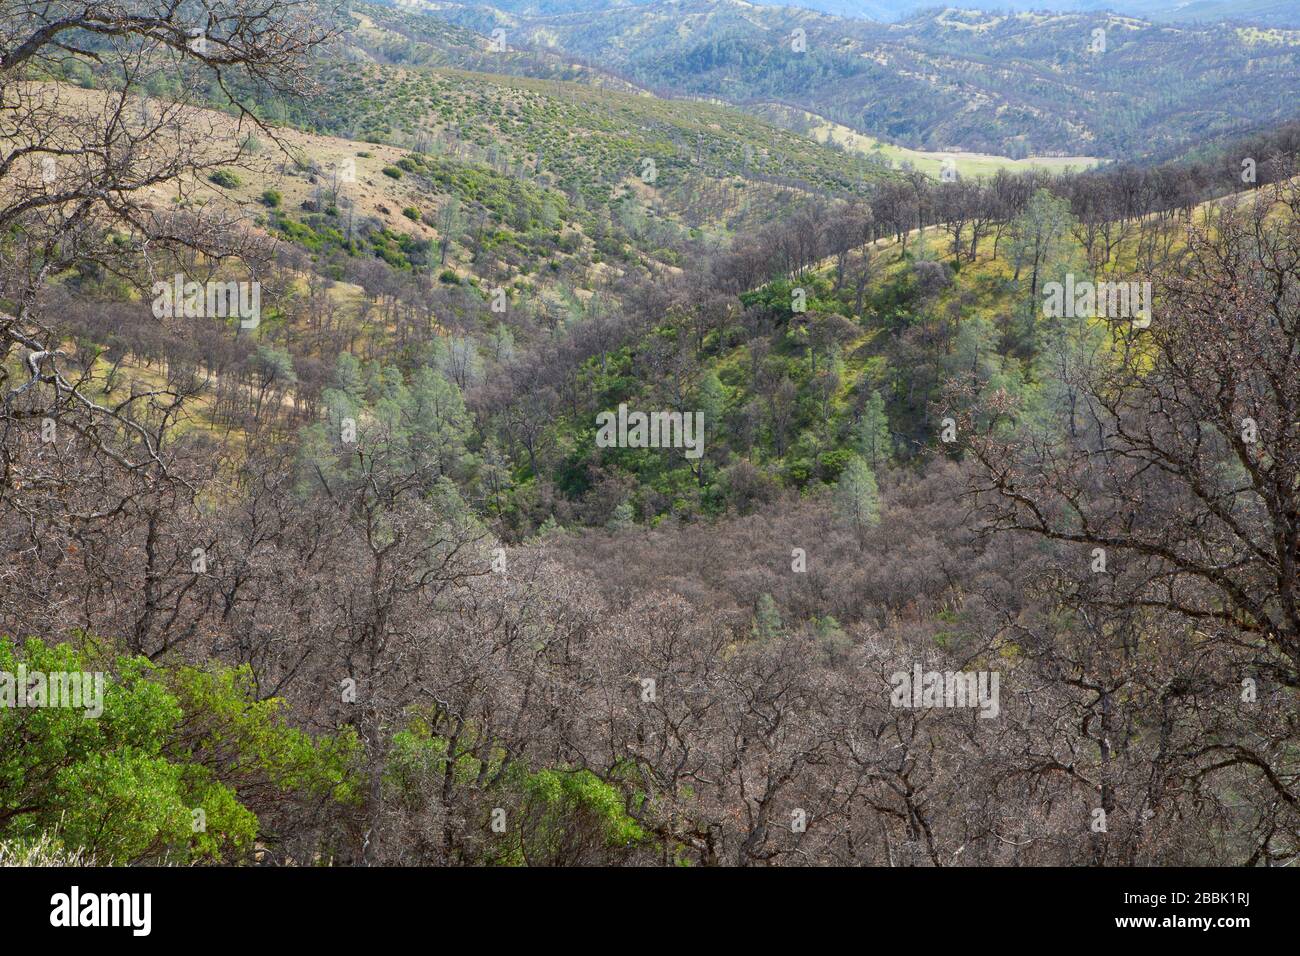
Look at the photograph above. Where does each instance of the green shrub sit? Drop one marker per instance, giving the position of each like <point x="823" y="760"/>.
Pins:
<point x="566" y="816"/>
<point x="150" y="766"/>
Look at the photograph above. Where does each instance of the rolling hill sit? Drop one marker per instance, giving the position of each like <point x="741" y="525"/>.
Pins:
<point x="1016" y="85"/>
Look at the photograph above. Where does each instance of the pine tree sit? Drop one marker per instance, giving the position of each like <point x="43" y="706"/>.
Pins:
<point x="767" y="619"/>
<point x="874" y="439"/>
<point x="712" y="400"/>
<point x="622" y="518"/>
<point x="857" y="498"/>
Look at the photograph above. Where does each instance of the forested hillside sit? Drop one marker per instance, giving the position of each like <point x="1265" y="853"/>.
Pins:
<point x="1276" y="12"/>
<point x="322" y="345"/>
<point x="1033" y="83"/>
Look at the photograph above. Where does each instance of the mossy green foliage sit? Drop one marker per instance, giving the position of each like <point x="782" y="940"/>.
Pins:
<point x="834" y="395"/>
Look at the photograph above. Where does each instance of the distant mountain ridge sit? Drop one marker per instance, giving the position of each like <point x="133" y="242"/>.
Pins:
<point x="1269" y="12"/>
<point x="1265" y="12"/>
<point x="1008" y="84"/>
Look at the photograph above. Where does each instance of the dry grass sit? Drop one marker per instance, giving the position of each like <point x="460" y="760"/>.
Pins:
<point x="45" y="850"/>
